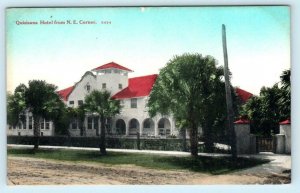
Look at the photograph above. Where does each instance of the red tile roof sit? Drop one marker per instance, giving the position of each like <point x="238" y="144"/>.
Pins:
<point x="242" y="121"/>
<point x="286" y="122"/>
<point x="137" y="87"/>
<point x="65" y="92"/>
<point x="244" y="95"/>
<point x="112" y="65"/>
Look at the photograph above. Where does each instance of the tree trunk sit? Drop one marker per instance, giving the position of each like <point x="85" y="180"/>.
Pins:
<point x="36" y="132"/>
<point x="102" y="136"/>
<point x="194" y="140"/>
<point x="208" y="142"/>
<point x="183" y="130"/>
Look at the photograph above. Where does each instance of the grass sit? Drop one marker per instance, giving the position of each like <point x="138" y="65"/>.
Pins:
<point x="212" y="165"/>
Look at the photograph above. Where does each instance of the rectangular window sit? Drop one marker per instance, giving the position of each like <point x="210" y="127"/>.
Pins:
<point x="103" y="85"/>
<point x="42" y="125"/>
<point x="168" y="132"/>
<point x="80" y="102"/>
<point x="120" y="86"/>
<point x="74" y="124"/>
<point x="90" y="122"/>
<point x="161" y="132"/>
<point x="20" y="125"/>
<point x="42" y="134"/>
<point x="88" y="88"/>
<point x="133" y="103"/>
<point x="30" y="123"/>
<point x="47" y="124"/>
<point x="23" y="124"/>
<point x="96" y="125"/>
<point x="71" y="102"/>
<point x="19" y="133"/>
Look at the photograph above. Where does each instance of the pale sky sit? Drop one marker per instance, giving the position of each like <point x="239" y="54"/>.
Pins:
<point x="144" y="40"/>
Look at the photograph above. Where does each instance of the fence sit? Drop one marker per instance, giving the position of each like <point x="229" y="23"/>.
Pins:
<point x="120" y="143"/>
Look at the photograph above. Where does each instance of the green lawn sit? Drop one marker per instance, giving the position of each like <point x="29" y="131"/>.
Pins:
<point x="213" y="165"/>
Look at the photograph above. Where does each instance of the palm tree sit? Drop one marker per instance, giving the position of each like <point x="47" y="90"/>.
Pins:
<point x="101" y="103"/>
<point x="188" y="87"/>
<point x="42" y="101"/>
<point x="285" y="98"/>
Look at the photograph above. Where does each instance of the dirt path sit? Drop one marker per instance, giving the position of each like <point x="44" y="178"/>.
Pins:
<point x="30" y="171"/>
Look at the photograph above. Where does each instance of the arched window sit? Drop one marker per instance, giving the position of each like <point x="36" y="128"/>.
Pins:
<point x="164" y="126"/>
<point x="120" y="127"/>
<point x="134" y="126"/>
<point x="148" y="127"/>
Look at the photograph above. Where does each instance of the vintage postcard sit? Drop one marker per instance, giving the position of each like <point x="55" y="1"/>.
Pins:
<point x="148" y="95"/>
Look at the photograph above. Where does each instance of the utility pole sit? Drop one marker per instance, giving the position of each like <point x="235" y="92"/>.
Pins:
<point x="228" y="96"/>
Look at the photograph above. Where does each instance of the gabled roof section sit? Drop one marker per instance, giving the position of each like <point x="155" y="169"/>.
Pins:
<point x="244" y="95"/>
<point x="137" y="87"/>
<point x="112" y="65"/>
<point x="65" y="92"/>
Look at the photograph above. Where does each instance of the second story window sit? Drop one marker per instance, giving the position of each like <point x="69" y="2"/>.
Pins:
<point x="88" y="87"/>
<point x="71" y="102"/>
<point x="103" y="85"/>
<point x="133" y="103"/>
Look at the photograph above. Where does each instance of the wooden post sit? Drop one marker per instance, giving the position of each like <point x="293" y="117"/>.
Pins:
<point x="228" y="96"/>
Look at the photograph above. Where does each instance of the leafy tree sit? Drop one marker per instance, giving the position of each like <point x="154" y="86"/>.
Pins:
<point x="285" y="97"/>
<point x="190" y="88"/>
<point x="270" y="107"/>
<point x="101" y="103"/>
<point x="40" y="99"/>
<point x="76" y="114"/>
<point x="16" y="106"/>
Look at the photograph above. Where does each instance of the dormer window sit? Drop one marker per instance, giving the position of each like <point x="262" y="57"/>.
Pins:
<point x="107" y="71"/>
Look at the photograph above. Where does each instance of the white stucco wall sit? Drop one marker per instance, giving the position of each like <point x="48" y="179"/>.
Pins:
<point x="286" y="131"/>
<point x="80" y="91"/>
<point x="23" y="130"/>
<point x="112" y="82"/>
<point x="141" y="114"/>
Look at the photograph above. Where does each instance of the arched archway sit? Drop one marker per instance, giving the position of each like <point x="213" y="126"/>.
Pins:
<point x="120" y="127"/>
<point x="134" y="126"/>
<point x="148" y="127"/>
<point x="164" y="126"/>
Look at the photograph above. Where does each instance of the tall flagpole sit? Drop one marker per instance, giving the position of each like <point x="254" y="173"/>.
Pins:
<point x="228" y="96"/>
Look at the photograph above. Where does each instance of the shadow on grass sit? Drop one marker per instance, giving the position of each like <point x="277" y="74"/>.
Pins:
<point x="213" y="165"/>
